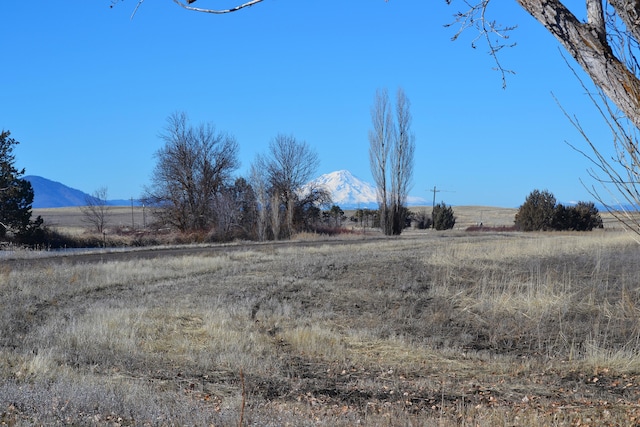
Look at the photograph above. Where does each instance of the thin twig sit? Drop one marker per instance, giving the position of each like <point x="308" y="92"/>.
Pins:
<point x="475" y="17"/>
<point x="136" y="9"/>
<point x="622" y="171"/>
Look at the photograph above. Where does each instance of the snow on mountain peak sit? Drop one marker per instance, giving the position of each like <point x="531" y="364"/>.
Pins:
<point x="347" y="191"/>
<point x="350" y="192"/>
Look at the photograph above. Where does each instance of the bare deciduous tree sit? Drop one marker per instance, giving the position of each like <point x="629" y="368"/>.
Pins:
<point x="279" y="179"/>
<point x="289" y="165"/>
<point x="245" y="207"/>
<point x="258" y="181"/>
<point x="307" y="206"/>
<point x="391" y="151"/>
<point x="401" y="161"/>
<point x="276" y="214"/>
<point x="379" y="146"/>
<point x="235" y="208"/>
<point x="96" y="209"/>
<point x="225" y="209"/>
<point x="193" y="167"/>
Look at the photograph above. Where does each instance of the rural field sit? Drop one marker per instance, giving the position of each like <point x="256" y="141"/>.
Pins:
<point x="71" y="219"/>
<point x="431" y="328"/>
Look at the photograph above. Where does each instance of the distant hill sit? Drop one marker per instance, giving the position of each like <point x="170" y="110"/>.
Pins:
<point x="347" y="191"/>
<point x="52" y="194"/>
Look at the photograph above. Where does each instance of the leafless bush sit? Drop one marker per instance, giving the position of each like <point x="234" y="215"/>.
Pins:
<point x="96" y="210"/>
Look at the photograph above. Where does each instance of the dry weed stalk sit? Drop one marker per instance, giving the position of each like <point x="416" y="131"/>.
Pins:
<point x="244" y="398"/>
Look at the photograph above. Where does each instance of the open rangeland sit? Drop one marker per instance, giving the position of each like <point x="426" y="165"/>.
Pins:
<point x="71" y="220"/>
<point x="431" y="328"/>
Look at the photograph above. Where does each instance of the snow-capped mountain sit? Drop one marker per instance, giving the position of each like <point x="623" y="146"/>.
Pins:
<point x="350" y="192"/>
<point x="347" y="191"/>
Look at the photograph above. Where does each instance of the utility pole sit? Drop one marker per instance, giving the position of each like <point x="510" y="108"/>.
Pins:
<point x="433" y="207"/>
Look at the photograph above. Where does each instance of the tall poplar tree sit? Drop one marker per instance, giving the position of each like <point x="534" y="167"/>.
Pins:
<point x="391" y="151"/>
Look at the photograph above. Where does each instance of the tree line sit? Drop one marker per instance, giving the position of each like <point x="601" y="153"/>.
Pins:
<point x="193" y="189"/>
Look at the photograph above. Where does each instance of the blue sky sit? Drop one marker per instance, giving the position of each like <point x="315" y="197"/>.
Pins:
<point x="86" y="91"/>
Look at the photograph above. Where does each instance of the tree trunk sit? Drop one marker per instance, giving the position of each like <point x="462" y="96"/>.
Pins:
<point x="587" y="43"/>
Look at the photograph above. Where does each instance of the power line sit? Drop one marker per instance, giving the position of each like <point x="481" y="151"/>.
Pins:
<point x="434" y="195"/>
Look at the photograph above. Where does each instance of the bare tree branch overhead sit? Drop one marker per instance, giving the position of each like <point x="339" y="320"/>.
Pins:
<point x="495" y="35"/>
<point x="605" y="45"/>
<point x="188" y="6"/>
<point x="591" y="45"/>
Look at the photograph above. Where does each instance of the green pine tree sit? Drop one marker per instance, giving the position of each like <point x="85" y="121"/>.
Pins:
<point x="443" y="217"/>
<point x="16" y="194"/>
<point x="537" y="212"/>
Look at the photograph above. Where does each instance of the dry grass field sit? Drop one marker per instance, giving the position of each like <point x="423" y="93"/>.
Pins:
<point x="71" y="219"/>
<point x="431" y="328"/>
